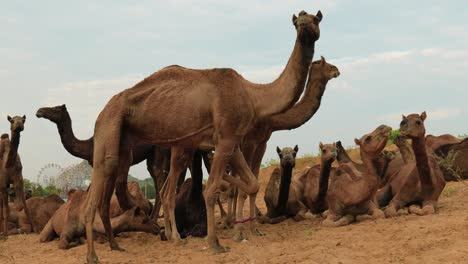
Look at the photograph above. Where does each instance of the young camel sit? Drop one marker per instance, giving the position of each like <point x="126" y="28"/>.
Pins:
<point x="254" y="145"/>
<point x="11" y="172"/>
<point x="283" y="195"/>
<point x="223" y="108"/>
<point x="316" y="179"/>
<point x="349" y="196"/>
<point x="419" y="182"/>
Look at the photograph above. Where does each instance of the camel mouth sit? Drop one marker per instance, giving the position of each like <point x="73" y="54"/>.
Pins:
<point x="39" y="114"/>
<point x="336" y="75"/>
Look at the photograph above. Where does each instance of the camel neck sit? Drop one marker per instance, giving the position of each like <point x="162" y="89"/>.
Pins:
<point x="285" y="183"/>
<point x="13" y="149"/>
<point x="281" y="94"/>
<point x="371" y="170"/>
<point x="304" y="109"/>
<point x="406" y="152"/>
<point x="422" y="160"/>
<point x="78" y="148"/>
<point x="325" y="169"/>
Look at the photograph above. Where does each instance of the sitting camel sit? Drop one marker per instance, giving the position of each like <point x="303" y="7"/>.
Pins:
<point x="11" y="172"/>
<point x="68" y="224"/>
<point x="316" y="179"/>
<point x="456" y="155"/>
<point x="351" y="191"/>
<point x="283" y="194"/>
<point x="41" y="209"/>
<point x="434" y="142"/>
<point x="420" y="182"/>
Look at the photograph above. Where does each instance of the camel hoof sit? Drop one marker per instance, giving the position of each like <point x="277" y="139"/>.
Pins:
<point x="92" y="259"/>
<point x="378" y="214"/>
<point x="403" y="212"/>
<point x="390" y="212"/>
<point x="180" y="242"/>
<point x="116" y="247"/>
<point x="239" y="236"/>
<point x="220" y="249"/>
<point x="328" y="223"/>
<point x="257" y="232"/>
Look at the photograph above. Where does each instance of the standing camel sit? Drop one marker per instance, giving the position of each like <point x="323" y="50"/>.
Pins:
<point x="186" y="109"/>
<point x="11" y="172"/>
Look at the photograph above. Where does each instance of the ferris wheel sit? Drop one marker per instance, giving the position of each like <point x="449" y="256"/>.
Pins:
<point x="48" y="174"/>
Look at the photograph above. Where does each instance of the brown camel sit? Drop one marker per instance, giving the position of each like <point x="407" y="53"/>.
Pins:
<point x="316" y="179"/>
<point x="254" y="145"/>
<point x="419" y="182"/>
<point x="351" y="192"/>
<point x="283" y="194"/>
<point x="157" y="162"/>
<point x="11" y="172"/>
<point x="68" y="224"/>
<point x="41" y="209"/>
<point x="223" y="108"/>
<point x="434" y="142"/>
<point x="457" y="155"/>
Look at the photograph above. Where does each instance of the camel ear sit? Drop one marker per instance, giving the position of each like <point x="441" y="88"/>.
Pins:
<point x="9" y="119"/>
<point x="24" y="118"/>
<point x="296" y="148"/>
<point x="338" y="144"/>
<point x="319" y="16"/>
<point x="320" y="145"/>
<point x="278" y="150"/>
<point x="357" y="141"/>
<point x="403" y="117"/>
<point x="423" y="116"/>
<point x="322" y="60"/>
<point x="64" y="107"/>
<point x="294" y="19"/>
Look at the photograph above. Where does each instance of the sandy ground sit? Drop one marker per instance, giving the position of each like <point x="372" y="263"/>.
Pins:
<point x="440" y="238"/>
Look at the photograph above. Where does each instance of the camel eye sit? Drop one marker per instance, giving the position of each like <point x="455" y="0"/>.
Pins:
<point x="403" y="123"/>
<point x="324" y="151"/>
<point x="418" y="122"/>
<point x="368" y="138"/>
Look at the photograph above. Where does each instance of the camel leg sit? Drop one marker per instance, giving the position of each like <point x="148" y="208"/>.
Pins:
<point x="272" y="221"/>
<point x="427" y="209"/>
<point x="223" y="154"/>
<point x="21" y="199"/>
<point x="330" y="220"/>
<point x="5" y="213"/>
<point x="375" y="211"/>
<point x="48" y="233"/>
<point x="121" y="189"/>
<point x="154" y="165"/>
<point x="180" y="159"/>
<point x="241" y="168"/>
<point x="256" y="162"/>
<point x="239" y="227"/>
<point x="393" y="207"/>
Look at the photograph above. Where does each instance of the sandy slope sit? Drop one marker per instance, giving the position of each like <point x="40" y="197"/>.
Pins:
<point x="441" y="238"/>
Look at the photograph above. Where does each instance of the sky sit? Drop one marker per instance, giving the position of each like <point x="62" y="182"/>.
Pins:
<point x="395" y="57"/>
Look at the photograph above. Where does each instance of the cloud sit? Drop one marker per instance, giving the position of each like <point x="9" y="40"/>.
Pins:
<point x="435" y="114"/>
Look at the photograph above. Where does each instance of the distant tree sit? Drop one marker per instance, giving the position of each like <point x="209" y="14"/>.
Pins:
<point x="463" y="136"/>
<point x="38" y="191"/>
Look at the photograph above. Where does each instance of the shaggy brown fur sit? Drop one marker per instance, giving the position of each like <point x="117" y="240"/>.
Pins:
<point x="223" y="108"/>
<point x="352" y="191"/>
<point x="419" y="182"/>
<point x="11" y="172"/>
<point x="459" y="162"/>
<point x="41" y="209"/>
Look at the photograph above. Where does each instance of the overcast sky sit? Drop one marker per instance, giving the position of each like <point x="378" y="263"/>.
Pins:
<point x="395" y="57"/>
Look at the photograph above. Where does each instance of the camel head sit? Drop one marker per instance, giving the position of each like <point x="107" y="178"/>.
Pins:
<point x="374" y="142"/>
<point x="412" y="126"/>
<point x="17" y="123"/>
<point x="55" y="114"/>
<point x="287" y="156"/>
<point x="323" y="70"/>
<point x="328" y="151"/>
<point x="307" y="27"/>
<point x="4" y="136"/>
<point x="137" y="220"/>
<point x="388" y="155"/>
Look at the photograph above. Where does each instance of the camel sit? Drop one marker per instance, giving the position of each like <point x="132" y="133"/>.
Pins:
<point x="254" y="145"/>
<point x="68" y="224"/>
<point x="419" y="182"/>
<point x="156" y="158"/>
<point x="459" y="160"/>
<point x="349" y="196"/>
<point x="41" y="209"/>
<point x="316" y="179"/>
<point x="11" y="172"/>
<point x="223" y="108"/>
<point x="434" y="142"/>
<point x="283" y="194"/>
